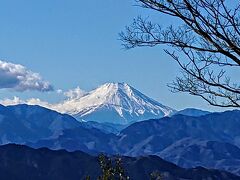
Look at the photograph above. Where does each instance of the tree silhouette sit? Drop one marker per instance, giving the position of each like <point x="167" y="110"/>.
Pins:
<point x="206" y="45"/>
<point x="111" y="170"/>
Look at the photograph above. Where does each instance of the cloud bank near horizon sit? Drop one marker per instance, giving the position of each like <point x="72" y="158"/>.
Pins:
<point x="71" y="97"/>
<point x="19" y="78"/>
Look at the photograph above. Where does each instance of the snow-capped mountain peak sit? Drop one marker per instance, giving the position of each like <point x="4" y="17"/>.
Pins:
<point x="116" y="103"/>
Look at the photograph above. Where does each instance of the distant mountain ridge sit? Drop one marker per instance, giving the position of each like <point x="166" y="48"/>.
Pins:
<point x="22" y="123"/>
<point x="192" y="137"/>
<point x="222" y="127"/>
<point x="190" y="153"/>
<point x="166" y="137"/>
<point x="192" y="112"/>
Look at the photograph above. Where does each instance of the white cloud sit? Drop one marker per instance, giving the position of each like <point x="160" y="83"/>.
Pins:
<point x="37" y="101"/>
<point x="17" y="100"/>
<point x="71" y="102"/>
<point x="19" y="78"/>
<point x="14" y="101"/>
<point x="59" y="91"/>
<point x="32" y="101"/>
<point x="75" y="93"/>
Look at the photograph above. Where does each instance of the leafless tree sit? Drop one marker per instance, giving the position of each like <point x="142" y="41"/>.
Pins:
<point x="205" y="43"/>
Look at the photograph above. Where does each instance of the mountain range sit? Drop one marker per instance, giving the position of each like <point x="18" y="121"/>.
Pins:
<point x="167" y="137"/>
<point x="24" y="163"/>
<point x="188" y="138"/>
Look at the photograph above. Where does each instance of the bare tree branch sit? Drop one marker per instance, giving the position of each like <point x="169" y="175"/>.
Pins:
<point x="208" y="41"/>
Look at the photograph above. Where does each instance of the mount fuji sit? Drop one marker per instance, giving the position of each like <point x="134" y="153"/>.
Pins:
<point x="116" y="103"/>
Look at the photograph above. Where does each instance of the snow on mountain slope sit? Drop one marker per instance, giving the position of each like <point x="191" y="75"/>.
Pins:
<point x="115" y="103"/>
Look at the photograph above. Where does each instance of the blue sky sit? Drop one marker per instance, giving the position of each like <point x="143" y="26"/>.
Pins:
<point x="75" y="43"/>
